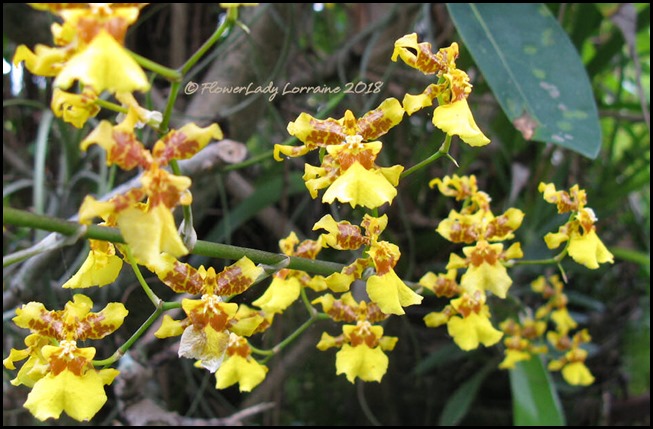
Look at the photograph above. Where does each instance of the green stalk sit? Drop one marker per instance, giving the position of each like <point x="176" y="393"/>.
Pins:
<point x="111" y="106"/>
<point x="163" y="306"/>
<point x="168" y="73"/>
<point x="167" y="113"/>
<point x="534" y="262"/>
<point x="232" y="16"/>
<point x="442" y="152"/>
<point x="189" y="238"/>
<point x="309" y="307"/>
<point x="130" y="342"/>
<point x="148" y="291"/>
<point x="11" y="216"/>
<point x="290" y="338"/>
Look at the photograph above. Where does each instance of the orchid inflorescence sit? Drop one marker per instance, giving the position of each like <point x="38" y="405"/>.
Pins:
<point x="216" y="332"/>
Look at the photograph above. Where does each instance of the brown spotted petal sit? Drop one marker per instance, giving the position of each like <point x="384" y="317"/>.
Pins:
<point x="185" y="142"/>
<point x="341" y="235"/>
<point x="379" y="121"/>
<point x="237" y="278"/>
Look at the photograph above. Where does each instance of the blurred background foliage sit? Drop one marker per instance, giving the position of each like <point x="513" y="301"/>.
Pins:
<point x="254" y="206"/>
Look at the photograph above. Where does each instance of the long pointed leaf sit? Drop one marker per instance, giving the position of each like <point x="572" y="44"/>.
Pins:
<point x="535" y="401"/>
<point x="533" y="70"/>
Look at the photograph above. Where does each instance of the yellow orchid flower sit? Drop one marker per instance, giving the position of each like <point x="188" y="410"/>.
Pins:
<point x="239" y="367"/>
<point x="485" y="269"/>
<point x="573" y="368"/>
<point x="88" y="19"/>
<point x="421" y="57"/>
<point x="149" y="228"/>
<point x="103" y="65"/>
<point x="471" y="326"/>
<point x="90" y="51"/>
<point x="512" y="356"/>
<point x="442" y="285"/>
<point x="210" y="320"/>
<point x="80" y="396"/>
<point x="359" y="186"/>
<point x="364" y="362"/>
<point x="481" y="225"/>
<point x="520" y="339"/>
<point x="284" y="289"/>
<point x="362" y="345"/>
<point x="391" y="293"/>
<point x="35" y="368"/>
<point x="352" y="176"/>
<point x="463" y="188"/>
<point x="453" y="115"/>
<point x="456" y="119"/>
<point x="150" y="232"/>
<point x="286" y="284"/>
<point x="75" y="109"/>
<point x="571" y="201"/>
<point x="44" y="61"/>
<point x="585" y="247"/>
<point x="100" y="268"/>
<point x="316" y="133"/>
<point x="384" y="287"/>
<point x="120" y="143"/>
<point x="62" y="376"/>
<point x="349" y="169"/>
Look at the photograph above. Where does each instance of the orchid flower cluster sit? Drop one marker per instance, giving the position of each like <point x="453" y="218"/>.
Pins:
<point x="523" y="338"/>
<point x="217" y="333"/>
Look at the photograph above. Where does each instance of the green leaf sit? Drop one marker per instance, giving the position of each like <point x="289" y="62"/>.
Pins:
<point x="535" y="401"/>
<point x="459" y="403"/>
<point x="533" y="70"/>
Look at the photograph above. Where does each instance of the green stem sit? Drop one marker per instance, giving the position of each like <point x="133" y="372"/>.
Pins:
<point x="290" y="338"/>
<point x="130" y="342"/>
<point x="443" y="151"/>
<point x="261" y="352"/>
<point x="176" y="86"/>
<point x="171" y="305"/>
<point x="179" y="74"/>
<point x="232" y="16"/>
<point x="555" y="260"/>
<point x="111" y="106"/>
<point x="168" y="73"/>
<point x="299" y="331"/>
<point x="148" y="291"/>
<point x="167" y="113"/>
<point x="11" y="216"/>
<point x="163" y="306"/>
<point x="534" y="262"/>
<point x="309" y="307"/>
<point x="217" y="250"/>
